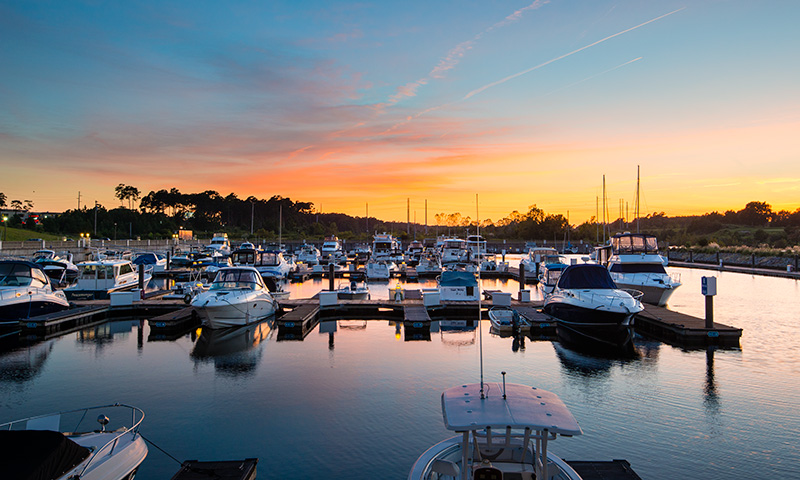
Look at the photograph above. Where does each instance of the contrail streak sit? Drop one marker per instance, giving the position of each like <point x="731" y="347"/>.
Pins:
<point x="592" y="76"/>
<point x="504" y="80"/>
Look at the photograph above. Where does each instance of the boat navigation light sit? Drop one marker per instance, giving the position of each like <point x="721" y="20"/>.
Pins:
<point x="102" y="420"/>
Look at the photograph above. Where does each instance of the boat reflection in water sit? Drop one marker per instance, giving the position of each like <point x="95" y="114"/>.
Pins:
<point x="582" y="363"/>
<point x="234" y="351"/>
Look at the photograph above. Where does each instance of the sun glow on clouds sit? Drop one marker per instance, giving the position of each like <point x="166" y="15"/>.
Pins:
<point x="205" y="104"/>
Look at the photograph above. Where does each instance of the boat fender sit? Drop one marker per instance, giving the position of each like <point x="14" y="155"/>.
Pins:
<point x="187" y="299"/>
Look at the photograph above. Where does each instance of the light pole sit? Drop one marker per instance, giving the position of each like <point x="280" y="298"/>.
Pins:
<point x="115" y="231"/>
<point x="252" y="215"/>
<point x="5" y="228"/>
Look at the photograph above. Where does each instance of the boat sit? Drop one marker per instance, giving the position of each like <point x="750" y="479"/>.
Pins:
<point x="386" y="247"/>
<point x="100" y="278"/>
<point x="476" y="246"/>
<point x="237" y="296"/>
<point x="308" y="254"/>
<point x="26" y="291"/>
<point x="246" y="254"/>
<point x="453" y="250"/>
<point x="505" y="319"/>
<point x="502" y="431"/>
<point x="414" y="252"/>
<point x="332" y="250"/>
<point x="457" y="285"/>
<point x="361" y="253"/>
<point x="538" y="256"/>
<point x="273" y="264"/>
<point x="155" y="262"/>
<point x="548" y="278"/>
<point x="379" y="269"/>
<point x="635" y="263"/>
<point x="353" y="291"/>
<point x="39" y="448"/>
<point x="429" y="263"/>
<point x="588" y="306"/>
<point x="61" y="270"/>
<point x="220" y="243"/>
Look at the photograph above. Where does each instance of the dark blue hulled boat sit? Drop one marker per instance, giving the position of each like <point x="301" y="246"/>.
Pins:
<point x="588" y="307"/>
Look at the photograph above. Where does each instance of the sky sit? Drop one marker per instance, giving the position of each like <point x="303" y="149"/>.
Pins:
<point x="382" y="107"/>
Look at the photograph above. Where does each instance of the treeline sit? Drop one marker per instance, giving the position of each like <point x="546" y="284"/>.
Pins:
<point x="162" y="213"/>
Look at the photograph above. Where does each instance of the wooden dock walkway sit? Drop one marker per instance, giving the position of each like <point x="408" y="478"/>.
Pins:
<point x="177" y="320"/>
<point x="67" y="320"/>
<point x="297" y="323"/>
<point x="684" y="330"/>
<point x="416" y="316"/>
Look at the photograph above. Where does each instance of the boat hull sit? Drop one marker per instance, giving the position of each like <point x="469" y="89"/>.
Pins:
<point x="222" y="311"/>
<point x="654" y="295"/>
<point x="33" y="307"/>
<point x="579" y="324"/>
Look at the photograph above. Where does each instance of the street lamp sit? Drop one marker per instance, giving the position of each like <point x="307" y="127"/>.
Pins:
<point x="5" y="227"/>
<point x="115" y="231"/>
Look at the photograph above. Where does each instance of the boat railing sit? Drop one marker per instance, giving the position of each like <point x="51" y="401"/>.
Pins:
<point x="598" y="298"/>
<point x="53" y="421"/>
<point x="636" y="294"/>
<point x="647" y="277"/>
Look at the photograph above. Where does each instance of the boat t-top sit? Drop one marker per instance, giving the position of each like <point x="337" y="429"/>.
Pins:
<point x="502" y="431"/>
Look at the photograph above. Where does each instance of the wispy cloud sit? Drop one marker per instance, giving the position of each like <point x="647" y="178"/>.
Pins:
<point x="518" y="74"/>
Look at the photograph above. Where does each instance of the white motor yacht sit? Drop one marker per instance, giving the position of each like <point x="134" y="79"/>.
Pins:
<point x="25" y="292"/>
<point x="540" y="256"/>
<point x="39" y="447"/>
<point x="386" y="247"/>
<point x="61" y="270"/>
<point x="308" y="254"/>
<point x="273" y="264"/>
<point x="502" y="431"/>
<point x="220" y="243"/>
<point x="332" y="250"/>
<point x="589" y="307"/>
<point x="237" y="296"/>
<point x="99" y="279"/>
<point x="454" y="250"/>
<point x="636" y="264"/>
<point x="379" y="269"/>
<point x="429" y="264"/>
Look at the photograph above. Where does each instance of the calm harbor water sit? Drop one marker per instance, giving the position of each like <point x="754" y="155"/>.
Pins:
<point x="360" y="399"/>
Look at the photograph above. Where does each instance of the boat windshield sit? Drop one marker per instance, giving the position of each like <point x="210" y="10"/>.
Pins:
<point x="638" y="268"/>
<point x="20" y="275"/>
<point x="97" y="271"/>
<point x="634" y="243"/>
<point x="227" y="279"/>
<point x="270" y="259"/>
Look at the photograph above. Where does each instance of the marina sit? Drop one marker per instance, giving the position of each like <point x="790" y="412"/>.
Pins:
<point x="411" y="309"/>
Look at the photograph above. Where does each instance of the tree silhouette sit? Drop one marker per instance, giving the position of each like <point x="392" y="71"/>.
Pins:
<point x="126" y="192"/>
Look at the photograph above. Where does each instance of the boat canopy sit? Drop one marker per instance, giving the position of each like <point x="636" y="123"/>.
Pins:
<point x="21" y="273"/>
<point x="586" y="276"/>
<point x="454" y="278"/>
<point x="627" y="243"/>
<point x="464" y="410"/>
<point x="38" y="454"/>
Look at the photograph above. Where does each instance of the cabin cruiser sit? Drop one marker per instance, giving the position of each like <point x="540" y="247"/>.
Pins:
<point x="476" y="245"/>
<point x="588" y="306"/>
<point x="453" y="250"/>
<point x="332" y="250"/>
<point x="540" y="256"/>
<point x="308" y="254"/>
<point x="429" y="264"/>
<point x="237" y="296"/>
<point x="414" y="252"/>
<point x="353" y="291"/>
<point x="246" y="254"/>
<point x="39" y="447"/>
<point x="379" y="269"/>
<point x="550" y="273"/>
<point x="457" y="285"/>
<point x="502" y="431"/>
<point x="220" y="243"/>
<point x="60" y="269"/>
<point x="636" y="264"/>
<point x="386" y="247"/>
<point x="273" y="264"/>
<point x="153" y="262"/>
<point x="361" y="253"/>
<point x="99" y="279"/>
<point x="25" y="292"/>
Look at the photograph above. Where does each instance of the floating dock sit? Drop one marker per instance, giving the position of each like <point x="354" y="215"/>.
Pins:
<point x="220" y="470"/>
<point x="684" y="330"/>
<point x="610" y="470"/>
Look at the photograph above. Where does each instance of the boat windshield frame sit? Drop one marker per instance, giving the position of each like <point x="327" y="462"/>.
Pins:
<point x="628" y="243"/>
<point x="235" y="279"/>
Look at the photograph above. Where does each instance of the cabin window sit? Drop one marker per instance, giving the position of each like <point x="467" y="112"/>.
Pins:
<point x="39" y="278"/>
<point x="125" y="268"/>
<point x="470" y="291"/>
<point x="637" y="268"/>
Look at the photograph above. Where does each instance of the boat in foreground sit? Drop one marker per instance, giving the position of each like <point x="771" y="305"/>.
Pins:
<point x="588" y="306"/>
<point x="503" y="431"/>
<point x="38" y="447"/>
<point x="237" y="296"/>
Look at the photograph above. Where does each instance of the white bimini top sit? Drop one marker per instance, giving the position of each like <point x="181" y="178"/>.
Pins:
<point x="524" y="406"/>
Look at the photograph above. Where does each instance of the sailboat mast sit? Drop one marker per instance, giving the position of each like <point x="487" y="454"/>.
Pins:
<point x="480" y="330"/>
<point x="637" y="198"/>
<point x="604" y="209"/>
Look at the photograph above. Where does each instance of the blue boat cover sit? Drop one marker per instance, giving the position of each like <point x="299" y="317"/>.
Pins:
<point x="454" y="278"/>
<point x="586" y="276"/>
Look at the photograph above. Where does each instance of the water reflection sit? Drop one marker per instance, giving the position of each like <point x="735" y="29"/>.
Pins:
<point x="24" y="364"/>
<point x="233" y="351"/>
<point x="591" y="364"/>
<point x="458" y="333"/>
<point x="710" y="395"/>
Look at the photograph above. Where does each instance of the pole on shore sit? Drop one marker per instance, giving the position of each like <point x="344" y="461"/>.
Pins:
<point x="330" y="276"/>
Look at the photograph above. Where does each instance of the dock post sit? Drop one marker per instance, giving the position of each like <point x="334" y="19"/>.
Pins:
<point x="141" y="281"/>
<point x="330" y="276"/>
<point x="521" y="276"/>
<point x="168" y="261"/>
<point x="709" y="289"/>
